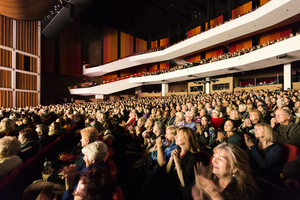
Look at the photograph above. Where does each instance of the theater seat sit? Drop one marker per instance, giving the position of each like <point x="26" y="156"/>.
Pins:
<point x="119" y="194"/>
<point x="289" y="153"/>
<point x="206" y="158"/>
<point x="111" y="166"/>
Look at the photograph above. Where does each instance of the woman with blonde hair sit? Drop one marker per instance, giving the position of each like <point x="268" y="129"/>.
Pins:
<point x="179" y="169"/>
<point x="7" y="125"/>
<point x="227" y="178"/>
<point x="264" y="153"/>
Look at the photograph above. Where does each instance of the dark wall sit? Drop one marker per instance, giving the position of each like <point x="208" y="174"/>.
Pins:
<point x="55" y="86"/>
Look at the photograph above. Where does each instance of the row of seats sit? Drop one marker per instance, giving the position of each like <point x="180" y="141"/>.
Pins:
<point x="13" y="185"/>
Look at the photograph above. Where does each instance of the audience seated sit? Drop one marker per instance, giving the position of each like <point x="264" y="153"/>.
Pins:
<point x="9" y="146"/>
<point x="30" y="143"/>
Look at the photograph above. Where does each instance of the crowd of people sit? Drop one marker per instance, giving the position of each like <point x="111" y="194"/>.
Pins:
<point x="160" y="145"/>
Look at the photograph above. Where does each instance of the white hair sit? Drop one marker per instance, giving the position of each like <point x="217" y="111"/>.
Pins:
<point x="95" y="151"/>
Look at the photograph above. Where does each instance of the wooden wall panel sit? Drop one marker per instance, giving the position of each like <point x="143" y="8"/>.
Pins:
<point x="126" y="46"/>
<point x="239" y="45"/>
<point x="193" y="32"/>
<point x="262" y="2"/>
<point x="27" y="36"/>
<point x="70" y="49"/>
<point x="140" y="45"/>
<point x="110" y="44"/>
<point x="5" y="78"/>
<point x="214" y="52"/>
<point x="164" y="65"/>
<point x="5" y="58"/>
<point x="6" y="38"/>
<point x="26" y="99"/>
<point x="5" y="98"/>
<point x="110" y="76"/>
<point x="154" y="44"/>
<point x="275" y="34"/>
<point x="126" y="72"/>
<point x="141" y="68"/>
<point x="214" y="22"/>
<point x="194" y="58"/>
<point x="48" y="52"/>
<point x="152" y="67"/>
<point x="241" y="9"/>
<point x="163" y="42"/>
<point x="26" y="81"/>
<point x="20" y="63"/>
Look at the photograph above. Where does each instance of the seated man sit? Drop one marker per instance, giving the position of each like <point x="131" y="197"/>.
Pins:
<point x="285" y="130"/>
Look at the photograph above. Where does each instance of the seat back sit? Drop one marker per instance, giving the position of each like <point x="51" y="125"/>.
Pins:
<point x="289" y="153"/>
<point x="13" y="133"/>
<point x="111" y="166"/>
<point x="119" y="194"/>
<point x="206" y="158"/>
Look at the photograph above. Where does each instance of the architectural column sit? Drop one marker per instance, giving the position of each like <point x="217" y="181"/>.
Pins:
<point x="14" y="65"/>
<point x="287" y="76"/>
<point x="99" y="96"/>
<point x="164" y="89"/>
<point x="207" y="86"/>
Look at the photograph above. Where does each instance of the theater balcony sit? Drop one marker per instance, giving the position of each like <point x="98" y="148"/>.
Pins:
<point x="274" y="14"/>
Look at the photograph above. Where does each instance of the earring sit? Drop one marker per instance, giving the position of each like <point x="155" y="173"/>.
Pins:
<point x="233" y="175"/>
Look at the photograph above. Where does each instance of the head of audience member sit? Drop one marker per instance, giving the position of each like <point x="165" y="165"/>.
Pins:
<point x="171" y="132"/>
<point x="95" y="184"/>
<point x="159" y="113"/>
<point x="235" y="115"/>
<point x="205" y="121"/>
<point x="203" y="112"/>
<point x="189" y="116"/>
<point x="94" y="153"/>
<point x="283" y="116"/>
<point x="27" y="134"/>
<point x="249" y="107"/>
<point x="264" y="132"/>
<point x="7" y="125"/>
<point x="230" y="126"/>
<point x="194" y="109"/>
<point x="215" y="113"/>
<point x="149" y="124"/>
<point x="184" y="109"/>
<point x="242" y="108"/>
<point x="179" y="117"/>
<point x="159" y="128"/>
<point x="186" y="139"/>
<point x="141" y="122"/>
<point x="88" y="135"/>
<point x="254" y="116"/>
<point x="9" y="146"/>
<point x="230" y="161"/>
<point x="42" y="130"/>
<point x="55" y="129"/>
<point x="173" y="113"/>
<point x="101" y="117"/>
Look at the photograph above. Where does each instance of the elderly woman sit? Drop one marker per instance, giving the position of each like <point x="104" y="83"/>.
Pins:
<point x="285" y="130"/>
<point x="7" y="125"/>
<point x="9" y="146"/>
<point x="264" y="153"/>
<point x="216" y="119"/>
<point x="94" y="155"/>
<point x="227" y="178"/>
<point x="179" y="120"/>
<point x="179" y="169"/>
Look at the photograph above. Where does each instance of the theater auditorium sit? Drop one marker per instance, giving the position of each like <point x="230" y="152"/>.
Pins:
<point x="149" y="99"/>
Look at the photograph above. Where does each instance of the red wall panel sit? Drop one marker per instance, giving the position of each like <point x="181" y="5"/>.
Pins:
<point x="126" y="44"/>
<point x="140" y="45"/>
<point x="110" y="44"/>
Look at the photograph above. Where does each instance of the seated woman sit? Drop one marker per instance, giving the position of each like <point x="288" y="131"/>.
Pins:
<point x="55" y="129"/>
<point x="227" y="178"/>
<point x="205" y="132"/>
<point x="216" y="119"/>
<point x="9" y="146"/>
<point x="229" y="135"/>
<point x="7" y="125"/>
<point x="264" y="154"/>
<point x="94" y="155"/>
<point x="30" y="143"/>
<point x="179" y="170"/>
<point x="179" y="120"/>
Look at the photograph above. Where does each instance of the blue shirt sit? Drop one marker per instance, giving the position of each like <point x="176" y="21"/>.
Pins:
<point x="167" y="151"/>
<point x="191" y="125"/>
